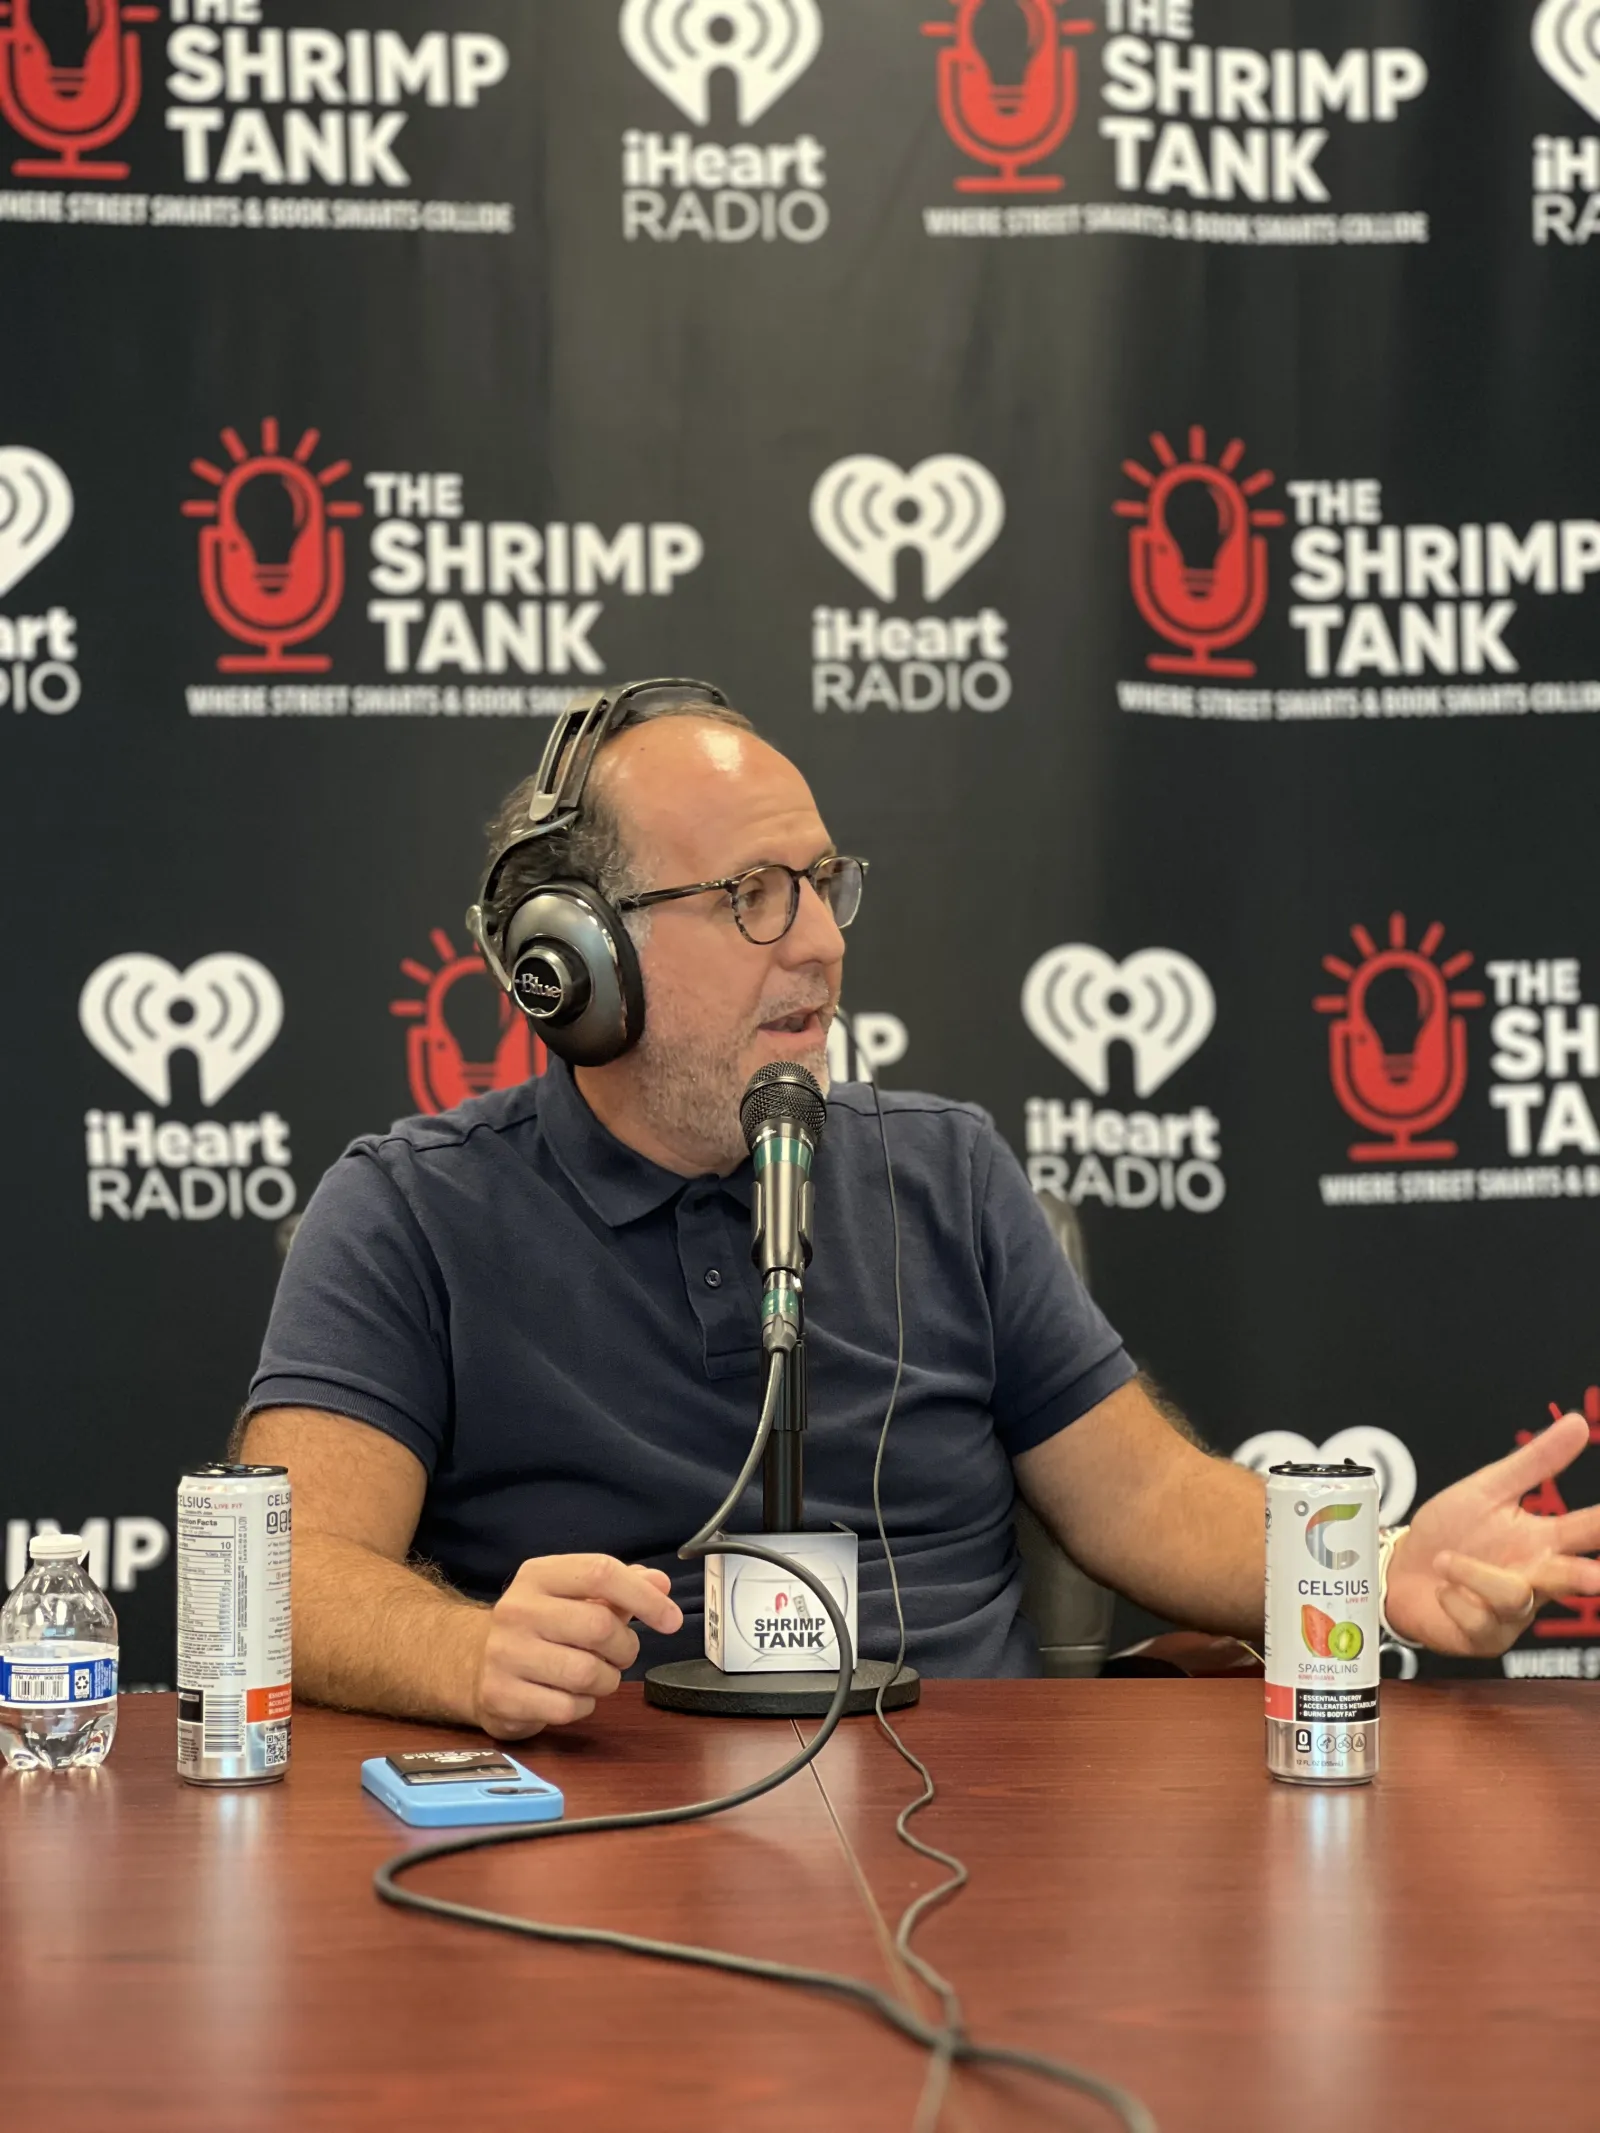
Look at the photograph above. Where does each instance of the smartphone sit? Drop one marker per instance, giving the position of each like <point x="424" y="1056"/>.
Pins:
<point x="456" y="1788"/>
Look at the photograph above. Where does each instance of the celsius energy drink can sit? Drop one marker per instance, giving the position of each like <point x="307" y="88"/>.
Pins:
<point x="1322" y="1624"/>
<point x="233" y="1624"/>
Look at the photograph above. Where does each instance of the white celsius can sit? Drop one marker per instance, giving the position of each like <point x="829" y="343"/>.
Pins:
<point x="1322" y="1624"/>
<point x="233" y="1624"/>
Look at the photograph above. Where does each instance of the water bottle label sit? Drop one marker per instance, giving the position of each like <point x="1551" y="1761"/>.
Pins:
<point x="57" y="1681"/>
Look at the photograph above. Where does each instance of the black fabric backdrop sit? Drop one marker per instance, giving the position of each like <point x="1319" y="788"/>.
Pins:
<point x="1399" y="328"/>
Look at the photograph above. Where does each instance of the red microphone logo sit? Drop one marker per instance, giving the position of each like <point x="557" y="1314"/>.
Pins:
<point x="1398" y="1052"/>
<point x="71" y="83"/>
<point x="466" y="1036"/>
<point x="1197" y="564"/>
<point x="1008" y="123"/>
<point x="272" y="566"/>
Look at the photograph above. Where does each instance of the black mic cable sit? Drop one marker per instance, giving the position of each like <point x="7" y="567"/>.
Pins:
<point x="947" y="2042"/>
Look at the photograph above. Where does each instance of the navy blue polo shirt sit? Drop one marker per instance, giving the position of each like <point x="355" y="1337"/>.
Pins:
<point x="566" y="1336"/>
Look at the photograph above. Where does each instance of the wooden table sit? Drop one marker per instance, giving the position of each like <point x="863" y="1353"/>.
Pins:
<point x="1420" y="1954"/>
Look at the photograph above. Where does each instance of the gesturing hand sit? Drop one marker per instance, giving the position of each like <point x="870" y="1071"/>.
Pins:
<point x="559" y="1639"/>
<point x="1475" y="1567"/>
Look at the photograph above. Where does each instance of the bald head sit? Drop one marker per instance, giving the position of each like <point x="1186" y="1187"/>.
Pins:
<point x="696" y="799"/>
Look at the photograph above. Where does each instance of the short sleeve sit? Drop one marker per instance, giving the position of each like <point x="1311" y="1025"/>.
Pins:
<point x="359" y="1325"/>
<point x="1056" y="1354"/>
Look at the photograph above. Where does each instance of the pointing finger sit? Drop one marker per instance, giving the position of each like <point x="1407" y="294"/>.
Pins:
<point x="1506" y="1594"/>
<point x="1557" y="1577"/>
<point x="1577" y="1532"/>
<point x="1538" y="1459"/>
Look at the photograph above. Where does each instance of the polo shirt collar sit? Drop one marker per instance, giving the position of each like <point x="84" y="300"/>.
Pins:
<point x="619" y="1183"/>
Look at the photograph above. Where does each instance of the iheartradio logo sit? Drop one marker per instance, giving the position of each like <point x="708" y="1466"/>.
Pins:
<point x="1566" y="43"/>
<point x="947" y="509"/>
<point x="1078" y="1003"/>
<point x="680" y="45"/>
<point x="272" y="568"/>
<point x="35" y="511"/>
<point x="137" y="1010"/>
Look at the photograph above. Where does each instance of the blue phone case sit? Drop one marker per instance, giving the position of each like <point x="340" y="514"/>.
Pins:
<point x="524" y="1797"/>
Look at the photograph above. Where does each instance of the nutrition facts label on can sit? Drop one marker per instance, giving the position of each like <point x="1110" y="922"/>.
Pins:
<point x="234" y="1540"/>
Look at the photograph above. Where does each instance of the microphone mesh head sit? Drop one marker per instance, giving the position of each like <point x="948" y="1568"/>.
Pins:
<point x="784" y="1093"/>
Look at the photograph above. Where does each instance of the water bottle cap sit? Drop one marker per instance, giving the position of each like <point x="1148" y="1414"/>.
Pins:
<point x="57" y="1548"/>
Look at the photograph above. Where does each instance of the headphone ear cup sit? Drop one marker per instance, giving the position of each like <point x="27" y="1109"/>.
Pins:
<point x="575" y="973"/>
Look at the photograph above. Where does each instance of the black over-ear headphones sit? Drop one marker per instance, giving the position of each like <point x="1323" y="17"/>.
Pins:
<point x="562" y="952"/>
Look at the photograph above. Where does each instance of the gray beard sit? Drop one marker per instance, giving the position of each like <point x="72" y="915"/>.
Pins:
<point x="692" y="1101"/>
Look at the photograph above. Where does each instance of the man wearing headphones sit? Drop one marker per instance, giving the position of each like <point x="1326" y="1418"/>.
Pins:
<point x="513" y="1359"/>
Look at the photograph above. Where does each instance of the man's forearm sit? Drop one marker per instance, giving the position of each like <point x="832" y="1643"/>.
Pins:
<point x="1204" y="1562"/>
<point x="372" y="1635"/>
<point x="1142" y="1508"/>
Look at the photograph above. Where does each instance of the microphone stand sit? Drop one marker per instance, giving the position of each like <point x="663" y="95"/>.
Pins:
<point x="701" y="1688"/>
<point x="783" y="1483"/>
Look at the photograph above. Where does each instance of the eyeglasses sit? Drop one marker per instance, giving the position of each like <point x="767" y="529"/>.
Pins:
<point x="766" y="899"/>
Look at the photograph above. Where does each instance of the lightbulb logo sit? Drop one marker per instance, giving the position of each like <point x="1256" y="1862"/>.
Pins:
<point x="1078" y="1002"/>
<point x="1197" y="560"/>
<point x="271" y="560"/>
<point x="947" y="509"/>
<point x="70" y="81"/>
<point x="137" y="1010"/>
<point x="681" y="45"/>
<point x="1397" y="1050"/>
<point x="1008" y="88"/>
<point x="1317" y="1538"/>
<point x="465" y="1036"/>
<point x="1566" y="43"/>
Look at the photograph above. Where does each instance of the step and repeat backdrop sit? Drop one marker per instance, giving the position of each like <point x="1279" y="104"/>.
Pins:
<point x="1138" y="456"/>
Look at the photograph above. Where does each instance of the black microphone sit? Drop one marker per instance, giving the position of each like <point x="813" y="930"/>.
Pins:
<point x="782" y="1114"/>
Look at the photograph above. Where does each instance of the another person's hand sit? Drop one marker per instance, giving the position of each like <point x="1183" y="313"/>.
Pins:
<point x="559" y="1639"/>
<point x="1475" y="1568"/>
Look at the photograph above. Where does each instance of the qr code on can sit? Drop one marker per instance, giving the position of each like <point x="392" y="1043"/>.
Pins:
<point x="275" y="1746"/>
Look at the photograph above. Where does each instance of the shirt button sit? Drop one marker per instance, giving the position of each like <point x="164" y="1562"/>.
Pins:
<point x="713" y="1277"/>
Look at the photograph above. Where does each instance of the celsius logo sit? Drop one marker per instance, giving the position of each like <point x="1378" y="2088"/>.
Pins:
<point x="1566" y="43"/>
<point x="1196" y="559"/>
<point x="1079" y="1002"/>
<point x="70" y="85"/>
<point x="1363" y="1443"/>
<point x="1012" y="122"/>
<point x="1317" y="1537"/>
<point x="271" y="560"/>
<point x="38" y="653"/>
<point x="136" y="1011"/>
<point x="947" y="511"/>
<point x="1398" y="1050"/>
<point x="466" y="1037"/>
<point x="680" y="44"/>
<point x="226" y="1009"/>
<point x="675" y="186"/>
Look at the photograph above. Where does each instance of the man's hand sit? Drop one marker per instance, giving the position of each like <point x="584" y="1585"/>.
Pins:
<point x="1476" y="1568"/>
<point x="558" y="1639"/>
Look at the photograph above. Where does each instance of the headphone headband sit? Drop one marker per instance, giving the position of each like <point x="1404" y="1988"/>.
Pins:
<point x="575" y="740"/>
<point x="593" y="957"/>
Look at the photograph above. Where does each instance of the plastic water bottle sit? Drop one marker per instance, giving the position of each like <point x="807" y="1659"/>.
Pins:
<point x="58" y="1662"/>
